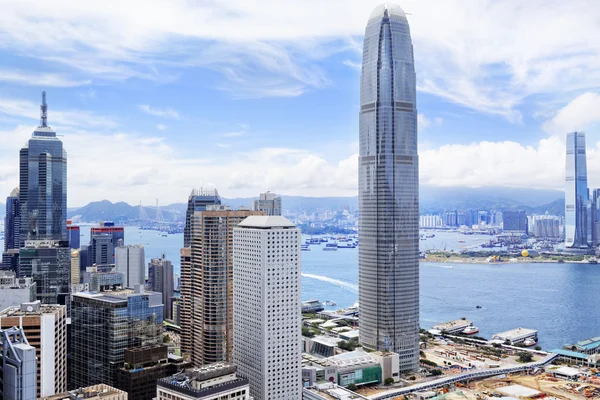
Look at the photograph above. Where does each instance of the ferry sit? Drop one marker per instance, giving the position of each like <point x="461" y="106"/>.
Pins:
<point x="529" y="342"/>
<point x="470" y="330"/>
<point x="346" y="246"/>
<point x="331" y="247"/>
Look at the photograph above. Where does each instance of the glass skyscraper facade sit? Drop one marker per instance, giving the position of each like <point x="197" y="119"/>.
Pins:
<point x="576" y="192"/>
<point x="12" y="221"/>
<point x="43" y="185"/>
<point x="198" y="200"/>
<point x="389" y="189"/>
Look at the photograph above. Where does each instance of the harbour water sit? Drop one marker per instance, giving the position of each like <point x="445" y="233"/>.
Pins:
<point x="561" y="301"/>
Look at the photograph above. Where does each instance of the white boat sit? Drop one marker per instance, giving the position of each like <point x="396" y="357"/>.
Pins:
<point x="529" y="342"/>
<point x="470" y="330"/>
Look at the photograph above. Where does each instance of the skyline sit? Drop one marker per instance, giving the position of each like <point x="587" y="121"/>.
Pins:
<point x="186" y="98"/>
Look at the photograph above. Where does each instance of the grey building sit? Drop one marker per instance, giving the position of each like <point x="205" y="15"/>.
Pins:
<point x="101" y="248"/>
<point x="576" y="192"/>
<point x="48" y="262"/>
<point x="104" y="325"/>
<point x="101" y="280"/>
<point x="268" y="202"/>
<point x="12" y="221"/>
<point x="515" y="221"/>
<point x="160" y="279"/>
<point x="131" y="262"/>
<point x="43" y="185"/>
<point x="388" y="255"/>
<point x="19" y="366"/>
<point x="14" y="291"/>
<point x="198" y="200"/>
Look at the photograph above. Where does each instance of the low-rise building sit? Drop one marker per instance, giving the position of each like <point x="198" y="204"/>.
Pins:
<point x="14" y="291"/>
<point x="515" y="336"/>
<point x="588" y="346"/>
<point x="216" y="381"/>
<point x="95" y="392"/>
<point x="329" y="391"/>
<point x="144" y="366"/>
<point x="453" y="326"/>
<point x="355" y="367"/>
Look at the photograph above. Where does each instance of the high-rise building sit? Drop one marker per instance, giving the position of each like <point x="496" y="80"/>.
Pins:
<point x="12" y="221"/>
<point x="73" y="235"/>
<point x="266" y="311"/>
<point x="160" y="279"/>
<point x="14" y="291"/>
<point x="144" y="366"/>
<point x="594" y="217"/>
<point x="185" y="303"/>
<point x="388" y="255"/>
<point x="210" y="299"/>
<point x="75" y="267"/>
<point x="515" y="221"/>
<point x="576" y="192"/>
<point x="48" y="262"/>
<point x="210" y="382"/>
<point x="45" y="326"/>
<point x="198" y="200"/>
<point x="268" y="202"/>
<point x="103" y="241"/>
<point x="104" y="325"/>
<point x="17" y="370"/>
<point x="43" y="185"/>
<point x="130" y="261"/>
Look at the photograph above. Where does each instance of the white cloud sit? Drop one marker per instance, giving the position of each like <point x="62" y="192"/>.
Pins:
<point x="223" y="145"/>
<point x="161" y="127"/>
<point x="234" y="134"/>
<point x="39" y="79"/>
<point x="577" y="115"/>
<point x="352" y="64"/>
<point x="159" y="112"/>
<point x="424" y="122"/>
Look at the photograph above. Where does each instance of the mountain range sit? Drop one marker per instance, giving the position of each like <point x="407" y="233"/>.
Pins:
<point x="432" y="200"/>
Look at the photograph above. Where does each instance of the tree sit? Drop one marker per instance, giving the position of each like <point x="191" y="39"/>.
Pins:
<point x="525" y="356"/>
<point x="388" y="381"/>
<point x="436" y="372"/>
<point x="352" y="387"/>
<point x="166" y="339"/>
<point x="307" y="332"/>
<point x="538" y="348"/>
<point x="349" y="345"/>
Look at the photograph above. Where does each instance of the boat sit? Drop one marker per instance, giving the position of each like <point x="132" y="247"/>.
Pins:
<point x="346" y="246"/>
<point x="305" y="247"/>
<point x="529" y="342"/>
<point x="331" y="247"/>
<point x="330" y="303"/>
<point x="477" y="306"/>
<point x="470" y="330"/>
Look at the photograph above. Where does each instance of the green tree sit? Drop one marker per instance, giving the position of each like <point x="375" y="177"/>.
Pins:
<point x="436" y="372"/>
<point x="349" y="345"/>
<point x="388" y="381"/>
<point x="525" y="356"/>
<point x="352" y="387"/>
<point x="538" y="348"/>
<point x="307" y="332"/>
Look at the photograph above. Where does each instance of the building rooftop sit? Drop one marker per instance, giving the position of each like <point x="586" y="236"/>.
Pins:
<point x="30" y="308"/>
<point x="517" y="332"/>
<point x="452" y="324"/>
<point x="392" y="9"/>
<point x="100" y="392"/>
<point x="352" y="358"/>
<point x="331" y="391"/>
<point x="588" y="344"/>
<point x="263" y="221"/>
<point x="518" y="391"/>
<point x="567" y="371"/>
<point x="115" y="296"/>
<point x="569" y="353"/>
<point x="201" y="381"/>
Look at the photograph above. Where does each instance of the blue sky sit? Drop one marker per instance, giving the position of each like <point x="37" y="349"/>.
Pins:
<point x="154" y="98"/>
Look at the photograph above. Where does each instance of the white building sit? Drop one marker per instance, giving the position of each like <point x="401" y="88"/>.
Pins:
<point x="14" y="291"/>
<point x="215" y="381"/>
<point x="269" y="203"/>
<point x="130" y="261"/>
<point x="430" y="221"/>
<point x="266" y="306"/>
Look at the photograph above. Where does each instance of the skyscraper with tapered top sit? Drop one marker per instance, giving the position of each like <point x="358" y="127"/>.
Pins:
<point x="576" y="192"/>
<point x="389" y="189"/>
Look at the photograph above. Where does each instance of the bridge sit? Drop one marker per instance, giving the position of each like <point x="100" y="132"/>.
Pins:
<point x="466" y="376"/>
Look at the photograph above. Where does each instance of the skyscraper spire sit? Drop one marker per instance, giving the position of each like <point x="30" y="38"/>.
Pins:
<point x="44" y="111"/>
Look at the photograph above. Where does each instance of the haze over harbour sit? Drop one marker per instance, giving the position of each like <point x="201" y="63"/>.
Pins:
<point x="556" y="299"/>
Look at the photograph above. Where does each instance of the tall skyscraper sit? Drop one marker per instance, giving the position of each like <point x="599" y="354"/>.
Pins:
<point x="43" y="184"/>
<point x="198" y="200"/>
<point x="12" y="221"/>
<point x="130" y="261"/>
<point x="207" y="329"/>
<point x="73" y="235"/>
<point x="17" y="366"/>
<point x="104" y="325"/>
<point x="160" y="279"/>
<point x="45" y="326"/>
<point x="103" y="241"/>
<point x="576" y="192"/>
<point x="388" y="255"/>
<point x="268" y="202"/>
<point x="266" y="306"/>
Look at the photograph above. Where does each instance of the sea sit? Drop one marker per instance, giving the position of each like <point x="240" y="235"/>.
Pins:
<point x="561" y="301"/>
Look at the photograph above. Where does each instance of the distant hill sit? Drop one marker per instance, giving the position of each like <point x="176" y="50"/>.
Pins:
<point x="433" y="200"/>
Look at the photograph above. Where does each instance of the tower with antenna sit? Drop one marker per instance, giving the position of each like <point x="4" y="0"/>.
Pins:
<point x="44" y="112"/>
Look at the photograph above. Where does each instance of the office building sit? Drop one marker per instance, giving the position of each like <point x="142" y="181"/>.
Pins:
<point x="130" y="261"/>
<point x="45" y="326"/>
<point x="144" y="366"/>
<point x="546" y="226"/>
<point x="14" y="291"/>
<point x="12" y="221"/>
<point x="198" y="200"/>
<point x="210" y="323"/>
<point x="17" y="371"/>
<point x="73" y="235"/>
<point x="84" y="257"/>
<point x="576" y="192"/>
<point x="185" y="303"/>
<point x="388" y="255"/>
<point x="104" y="325"/>
<point x="75" y="267"/>
<point x="515" y="222"/>
<point x="430" y="221"/>
<point x="217" y="381"/>
<point x="102" y="278"/>
<point x="95" y="392"/>
<point x="269" y="203"/>
<point x="48" y="262"/>
<point x="43" y="185"/>
<point x="160" y="279"/>
<point x="266" y="311"/>
<point x="103" y="241"/>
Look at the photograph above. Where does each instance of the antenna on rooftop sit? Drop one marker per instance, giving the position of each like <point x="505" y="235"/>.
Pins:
<point x="44" y="111"/>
